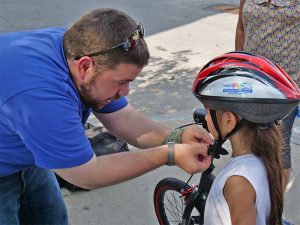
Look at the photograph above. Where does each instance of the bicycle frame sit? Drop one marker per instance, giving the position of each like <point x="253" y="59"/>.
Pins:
<point x="194" y="196"/>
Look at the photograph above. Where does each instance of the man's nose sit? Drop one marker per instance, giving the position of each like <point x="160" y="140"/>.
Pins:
<point x="124" y="90"/>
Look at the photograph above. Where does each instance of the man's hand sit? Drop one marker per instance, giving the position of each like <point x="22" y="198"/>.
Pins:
<point x="196" y="134"/>
<point x="192" y="158"/>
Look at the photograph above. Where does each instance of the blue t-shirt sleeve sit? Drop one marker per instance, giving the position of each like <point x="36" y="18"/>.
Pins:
<point x="49" y="123"/>
<point x="114" y="106"/>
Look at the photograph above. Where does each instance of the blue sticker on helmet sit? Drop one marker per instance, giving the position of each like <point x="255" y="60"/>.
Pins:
<point x="238" y="88"/>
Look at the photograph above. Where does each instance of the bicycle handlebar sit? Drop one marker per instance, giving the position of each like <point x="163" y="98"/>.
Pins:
<point x="199" y="117"/>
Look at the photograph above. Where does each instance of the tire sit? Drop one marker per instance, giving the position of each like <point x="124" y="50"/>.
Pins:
<point x="168" y="203"/>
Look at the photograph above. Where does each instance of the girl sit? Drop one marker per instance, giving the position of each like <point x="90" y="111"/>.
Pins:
<point x="245" y="96"/>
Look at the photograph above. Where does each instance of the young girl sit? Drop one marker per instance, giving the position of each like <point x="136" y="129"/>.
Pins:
<point x="245" y="96"/>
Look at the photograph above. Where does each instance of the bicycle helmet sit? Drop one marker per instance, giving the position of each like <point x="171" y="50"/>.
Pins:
<point x="247" y="84"/>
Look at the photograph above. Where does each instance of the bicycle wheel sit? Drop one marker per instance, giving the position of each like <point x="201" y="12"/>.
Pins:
<point x="168" y="201"/>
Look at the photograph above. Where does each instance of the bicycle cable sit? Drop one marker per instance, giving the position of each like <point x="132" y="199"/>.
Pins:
<point x="183" y="126"/>
<point x="186" y="183"/>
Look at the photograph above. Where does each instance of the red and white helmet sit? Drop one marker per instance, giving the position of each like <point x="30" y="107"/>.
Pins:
<point x="247" y="84"/>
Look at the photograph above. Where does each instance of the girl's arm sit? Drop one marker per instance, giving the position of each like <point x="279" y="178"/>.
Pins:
<point x="240" y="196"/>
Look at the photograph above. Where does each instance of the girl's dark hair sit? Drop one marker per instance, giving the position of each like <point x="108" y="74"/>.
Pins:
<point x="267" y="144"/>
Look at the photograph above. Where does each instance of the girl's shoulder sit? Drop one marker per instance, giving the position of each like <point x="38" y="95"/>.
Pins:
<point x="247" y="161"/>
<point x="248" y="166"/>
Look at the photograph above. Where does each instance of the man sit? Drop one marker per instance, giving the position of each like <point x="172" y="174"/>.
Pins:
<point x="50" y="81"/>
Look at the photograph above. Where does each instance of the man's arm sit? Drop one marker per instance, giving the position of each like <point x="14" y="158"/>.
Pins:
<point x="137" y="129"/>
<point x="134" y="127"/>
<point x="240" y="35"/>
<point x="115" y="168"/>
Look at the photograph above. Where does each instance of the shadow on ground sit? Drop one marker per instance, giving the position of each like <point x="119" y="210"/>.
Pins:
<point x="164" y="78"/>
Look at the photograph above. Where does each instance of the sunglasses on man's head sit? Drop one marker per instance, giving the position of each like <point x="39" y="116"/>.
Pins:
<point x="129" y="43"/>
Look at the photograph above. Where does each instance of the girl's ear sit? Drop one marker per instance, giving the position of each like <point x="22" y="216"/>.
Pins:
<point x="230" y="120"/>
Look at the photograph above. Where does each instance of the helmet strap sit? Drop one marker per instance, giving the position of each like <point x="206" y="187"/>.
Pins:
<point x="237" y="127"/>
<point x="216" y="149"/>
<point x="214" y="119"/>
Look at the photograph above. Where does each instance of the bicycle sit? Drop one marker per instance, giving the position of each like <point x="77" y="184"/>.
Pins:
<point x="178" y="203"/>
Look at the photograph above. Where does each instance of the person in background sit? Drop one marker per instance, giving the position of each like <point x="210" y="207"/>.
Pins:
<point x="237" y="90"/>
<point x="271" y="28"/>
<point x="51" y="79"/>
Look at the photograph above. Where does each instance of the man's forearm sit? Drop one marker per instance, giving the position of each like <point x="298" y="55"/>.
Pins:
<point x="134" y="127"/>
<point x="146" y="133"/>
<point x="115" y="168"/>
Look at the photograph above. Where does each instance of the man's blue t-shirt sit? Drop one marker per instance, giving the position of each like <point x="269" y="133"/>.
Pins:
<point x="41" y="114"/>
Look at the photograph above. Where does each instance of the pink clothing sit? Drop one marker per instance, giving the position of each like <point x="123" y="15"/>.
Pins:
<point x="273" y="31"/>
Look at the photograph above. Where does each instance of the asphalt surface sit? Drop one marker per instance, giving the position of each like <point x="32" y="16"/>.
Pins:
<point x="182" y="36"/>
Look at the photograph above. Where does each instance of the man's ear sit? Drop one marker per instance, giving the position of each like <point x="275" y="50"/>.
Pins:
<point x="85" y="66"/>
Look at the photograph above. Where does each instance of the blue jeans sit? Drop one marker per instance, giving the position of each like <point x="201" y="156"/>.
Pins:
<point x="287" y="125"/>
<point x="31" y="196"/>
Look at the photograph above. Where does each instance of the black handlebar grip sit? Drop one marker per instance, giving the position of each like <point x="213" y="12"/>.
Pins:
<point x="199" y="117"/>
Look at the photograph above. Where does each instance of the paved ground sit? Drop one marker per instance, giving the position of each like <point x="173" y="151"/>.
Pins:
<point x="182" y="36"/>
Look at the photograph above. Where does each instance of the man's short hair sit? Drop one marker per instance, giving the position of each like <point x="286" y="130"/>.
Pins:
<point x="102" y="29"/>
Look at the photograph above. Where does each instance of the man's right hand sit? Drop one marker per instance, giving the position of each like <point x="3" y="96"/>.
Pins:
<point x="192" y="158"/>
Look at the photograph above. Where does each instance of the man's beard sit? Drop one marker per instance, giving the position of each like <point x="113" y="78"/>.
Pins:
<point x="87" y="99"/>
<point x="85" y="93"/>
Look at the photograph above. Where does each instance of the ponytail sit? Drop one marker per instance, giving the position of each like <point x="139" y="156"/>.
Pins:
<point x="267" y="144"/>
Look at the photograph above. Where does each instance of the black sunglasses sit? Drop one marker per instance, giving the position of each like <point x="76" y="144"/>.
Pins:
<point x="129" y="43"/>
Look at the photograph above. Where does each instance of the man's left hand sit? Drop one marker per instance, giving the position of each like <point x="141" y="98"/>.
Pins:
<point x="196" y="134"/>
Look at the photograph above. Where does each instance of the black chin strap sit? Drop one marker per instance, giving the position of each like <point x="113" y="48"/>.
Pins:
<point x="216" y="149"/>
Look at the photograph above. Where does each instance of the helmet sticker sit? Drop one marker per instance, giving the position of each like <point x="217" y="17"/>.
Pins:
<point x="238" y="88"/>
